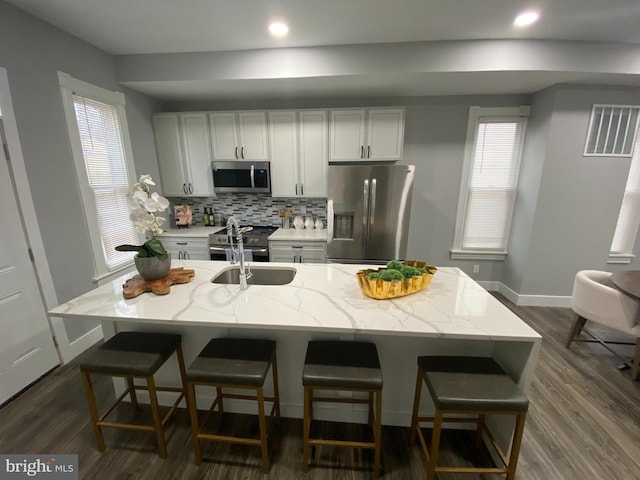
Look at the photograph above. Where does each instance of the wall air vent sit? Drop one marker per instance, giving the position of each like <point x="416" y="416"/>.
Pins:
<point x="612" y="130"/>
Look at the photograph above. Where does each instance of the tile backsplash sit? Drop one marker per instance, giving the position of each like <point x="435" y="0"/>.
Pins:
<point x="252" y="209"/>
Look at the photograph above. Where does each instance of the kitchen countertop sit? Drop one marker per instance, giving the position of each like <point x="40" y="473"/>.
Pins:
<point x="303" y="234"/>
<point x="321" y="297"/>
<point x="194" y="232"/>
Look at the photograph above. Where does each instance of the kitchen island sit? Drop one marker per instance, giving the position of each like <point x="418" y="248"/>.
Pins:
<point x="452" y="316"/>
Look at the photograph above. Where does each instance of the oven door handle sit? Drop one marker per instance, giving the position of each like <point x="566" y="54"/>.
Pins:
<point x="222" y="249"/>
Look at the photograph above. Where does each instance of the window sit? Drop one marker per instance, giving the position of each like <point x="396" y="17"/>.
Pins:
<point x="629" y="216"/>
<point x="102" y="153"/>
<point x="495" y="137"/>
<point x="611" y="130"/>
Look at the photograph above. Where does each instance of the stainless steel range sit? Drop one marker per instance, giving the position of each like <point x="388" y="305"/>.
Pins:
<point x="255" y="241"/>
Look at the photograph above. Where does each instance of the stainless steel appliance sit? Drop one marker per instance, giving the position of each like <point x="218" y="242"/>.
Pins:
<point x="368" y="211"/>
<point x="241" y="176"/>
<point x="254" y="241"/>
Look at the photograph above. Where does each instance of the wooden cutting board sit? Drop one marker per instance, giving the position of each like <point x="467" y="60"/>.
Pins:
<point x="137" y="285"/>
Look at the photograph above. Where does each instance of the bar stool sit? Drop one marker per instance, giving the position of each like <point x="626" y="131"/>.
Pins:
<point x="342" y="366"/>
<point x="240" y="363"/>
<point x="468" y="385"/>
<point x="133" y="355"/>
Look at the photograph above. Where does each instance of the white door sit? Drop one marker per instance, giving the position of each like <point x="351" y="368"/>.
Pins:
<point x="253" y="136"/>
<point x="166" y="132"/>
<point x="346" y="135"/>
<point x="386" y="134"/>
<point x="26" y="344"/>
<point x="224" y="136"/>
<point x="197" y="154"/>
<point x="314" y="160"/>
<point x="283" y="150"/>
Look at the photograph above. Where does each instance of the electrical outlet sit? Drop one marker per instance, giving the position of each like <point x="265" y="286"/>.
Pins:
<point x="303" y="209"/>
<point x="476" y="268"/>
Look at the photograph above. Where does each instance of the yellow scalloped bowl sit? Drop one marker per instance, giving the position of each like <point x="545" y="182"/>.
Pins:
<point x="382" y="290"/>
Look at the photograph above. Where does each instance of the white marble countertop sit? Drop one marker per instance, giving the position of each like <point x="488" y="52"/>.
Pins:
<point x="321" y="297"/>
<point x="299" y="235"/>
<point x="193" y="232"/>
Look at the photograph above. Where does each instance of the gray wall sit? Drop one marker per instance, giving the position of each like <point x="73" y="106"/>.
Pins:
<point x="578" y="198"/>
<point x="33" y="52"/>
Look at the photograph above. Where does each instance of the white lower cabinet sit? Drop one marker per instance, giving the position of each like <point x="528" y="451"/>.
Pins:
<point x="186" y="248"/>
<point x="298" y="251"/>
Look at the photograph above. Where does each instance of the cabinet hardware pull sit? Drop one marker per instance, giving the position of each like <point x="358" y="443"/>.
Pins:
<point x="181" y="243"/>
<point x="236" y="154"/>
<point x="296" y="189"/>
<point x="180" y="255"/>
<point x="242" y="152"/>
<point x="368" y="151"/>
<point x="186" y="256"/>
<point x="190" y="188"/>
<point x="361" y="151"/>
<point x="302" y="189"/>
<point x="184" y="188"/>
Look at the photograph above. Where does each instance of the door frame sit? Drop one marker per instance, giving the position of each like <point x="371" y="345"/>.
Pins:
<point x="66" y="349"/>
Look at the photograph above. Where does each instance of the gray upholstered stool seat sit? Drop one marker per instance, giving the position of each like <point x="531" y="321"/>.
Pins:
<point x="343" y="365"/>
<point x="239" y="363"/>
<point x="468" y="385"/>
<point x="133" y="355"/>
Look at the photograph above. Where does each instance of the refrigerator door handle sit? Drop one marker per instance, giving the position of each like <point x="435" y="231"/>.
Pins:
<point x="365" y="209"/>
<point x="373" y="200"/>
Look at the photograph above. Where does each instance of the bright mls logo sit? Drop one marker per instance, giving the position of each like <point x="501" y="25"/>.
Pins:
<point x="52" y="467"/>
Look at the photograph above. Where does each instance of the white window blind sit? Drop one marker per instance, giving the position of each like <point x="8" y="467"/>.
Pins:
<point x="629" y="216"/>
<point x="107" y="174"/>
<point x="489" y="183"/>
<point x="611" y="130"/>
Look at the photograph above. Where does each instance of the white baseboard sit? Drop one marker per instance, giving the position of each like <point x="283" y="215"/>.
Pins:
<point x="527" y="300"/>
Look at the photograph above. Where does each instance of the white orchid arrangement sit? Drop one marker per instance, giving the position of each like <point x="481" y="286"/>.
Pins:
<point x="144" y="206"/>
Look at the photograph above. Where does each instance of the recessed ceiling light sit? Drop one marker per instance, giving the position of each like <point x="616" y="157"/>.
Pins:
<point x="278" y="29"/>
<point x="526" y="18"/>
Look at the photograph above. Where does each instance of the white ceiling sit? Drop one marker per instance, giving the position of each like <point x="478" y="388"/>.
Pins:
<point x="122" y="27"/>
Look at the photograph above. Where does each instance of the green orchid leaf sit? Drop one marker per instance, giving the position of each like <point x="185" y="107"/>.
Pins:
<point x="155" y="248"/>
<point x="129" y="248"/>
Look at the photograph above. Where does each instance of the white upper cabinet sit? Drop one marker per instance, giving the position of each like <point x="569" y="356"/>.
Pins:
<point x="239" y="135"/>
<point x="298" y="152"/>
<point x="366" y="134"/>
<point x="184" y="154"/>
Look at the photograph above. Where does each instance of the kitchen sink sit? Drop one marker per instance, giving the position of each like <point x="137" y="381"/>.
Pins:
<point x="261" y="275"/>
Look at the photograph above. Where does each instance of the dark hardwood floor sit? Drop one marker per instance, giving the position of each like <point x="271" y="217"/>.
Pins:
<point x="583" y="424"/>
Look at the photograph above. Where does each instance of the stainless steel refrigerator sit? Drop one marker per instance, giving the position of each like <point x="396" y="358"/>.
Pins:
<point x="368" y="211"/>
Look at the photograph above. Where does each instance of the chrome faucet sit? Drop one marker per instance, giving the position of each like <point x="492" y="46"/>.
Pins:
<point x="237" y="254"/>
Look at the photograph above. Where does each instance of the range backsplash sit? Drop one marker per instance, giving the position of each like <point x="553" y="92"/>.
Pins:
<point x="253" y="209"/>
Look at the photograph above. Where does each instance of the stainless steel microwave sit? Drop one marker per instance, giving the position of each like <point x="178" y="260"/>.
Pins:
<point x="241" y="176"/>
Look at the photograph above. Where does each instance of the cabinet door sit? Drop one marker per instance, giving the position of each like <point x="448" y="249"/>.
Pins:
<point x="346" y="135"/>
<point x="166" y="132"/>
<point x="385" y="129"/>
<point x="224" y="135"/>
<point x="197" y="152"/>
<point x="283" y="150"/>
<point x="252" y="139"/>
<point x="314" y="161"/>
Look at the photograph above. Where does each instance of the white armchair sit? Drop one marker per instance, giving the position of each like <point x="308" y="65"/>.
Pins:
<point x="596" y="299"/>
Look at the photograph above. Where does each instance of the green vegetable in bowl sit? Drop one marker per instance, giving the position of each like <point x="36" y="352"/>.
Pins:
<point x="395" y="265"/>
<point x="408" y="271"/>
<point x="391" y="274"/>
<point x="374" y="275"/>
